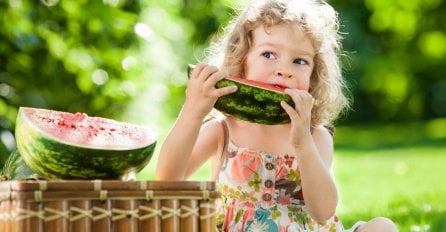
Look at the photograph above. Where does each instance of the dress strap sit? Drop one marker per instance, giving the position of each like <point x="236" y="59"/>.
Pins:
<point x="225" y="152"/>
<point x="226" y="141"/>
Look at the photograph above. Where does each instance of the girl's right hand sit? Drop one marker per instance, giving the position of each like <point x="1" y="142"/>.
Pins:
<point x="201" y="93"/>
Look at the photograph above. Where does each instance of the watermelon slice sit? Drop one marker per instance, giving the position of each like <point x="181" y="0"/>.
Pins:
<point x="62" y="145"/>
<point x="254" y="101"/>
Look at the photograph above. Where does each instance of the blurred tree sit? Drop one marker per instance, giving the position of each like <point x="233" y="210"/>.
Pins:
<point x="397" y="57"/>
<point x="67" y="55"/>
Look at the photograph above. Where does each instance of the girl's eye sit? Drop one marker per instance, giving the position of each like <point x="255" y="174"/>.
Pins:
<point x="268" y="55"/>
<point x="300" y="61"/>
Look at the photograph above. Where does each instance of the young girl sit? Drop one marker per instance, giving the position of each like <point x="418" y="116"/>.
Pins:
<point x="271" y="177"/>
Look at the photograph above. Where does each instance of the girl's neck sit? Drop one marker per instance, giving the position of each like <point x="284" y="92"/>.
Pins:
<point x="268" y="138"/>
<point x="256" y="127"/>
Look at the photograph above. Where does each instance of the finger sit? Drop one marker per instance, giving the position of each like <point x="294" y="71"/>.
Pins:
<point x="202" y="71"/>
<point x="296" y="96"/>
<point x="301" y="98"/>
<point x="195" y="70"/>
<point x="207" y="72"/>
<point x="289" y="109"/>
<point x="224" y="91"/>
<point x="211" y="81"/>
<point x="214" y="78"/>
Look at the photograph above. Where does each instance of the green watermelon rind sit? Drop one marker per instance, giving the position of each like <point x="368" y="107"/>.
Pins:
<point x="53" y="159"/>
<point x="254" y="104"/>
<point x="15" y="168"/>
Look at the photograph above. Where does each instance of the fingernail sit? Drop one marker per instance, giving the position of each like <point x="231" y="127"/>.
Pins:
<point x="312" y="103"/>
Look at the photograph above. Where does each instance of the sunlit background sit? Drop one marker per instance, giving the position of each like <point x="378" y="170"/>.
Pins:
<point x="126" y="60"/>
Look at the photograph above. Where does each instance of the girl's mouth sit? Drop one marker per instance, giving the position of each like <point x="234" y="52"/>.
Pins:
<point x="279" y="86"/>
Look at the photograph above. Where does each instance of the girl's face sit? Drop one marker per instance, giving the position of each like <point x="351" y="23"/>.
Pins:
<point x="280" y="55"/>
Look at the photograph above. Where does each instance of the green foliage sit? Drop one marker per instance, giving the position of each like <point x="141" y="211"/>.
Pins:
<point x="65" y="57"/>
<point x="397" y="53"/>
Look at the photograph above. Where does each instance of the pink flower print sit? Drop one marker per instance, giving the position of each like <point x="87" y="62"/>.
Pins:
<point x="244" y="166"/>
<point x="248" y="214"/>
<point x="284" y="199"/>
<point x="281" y="172"/>
<point x="252" y="194"/>
<point x="229" y="217"/>
<point x="281" y="168"/>
<point x="248" y="204"/>
<point x="279" y="161"/>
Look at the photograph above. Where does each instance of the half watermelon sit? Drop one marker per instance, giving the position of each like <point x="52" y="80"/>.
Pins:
<point x="62" y="145"/>
<point x="254" y="101"/>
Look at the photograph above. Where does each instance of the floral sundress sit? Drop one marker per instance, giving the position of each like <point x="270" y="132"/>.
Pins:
<point x="262" y="192"/>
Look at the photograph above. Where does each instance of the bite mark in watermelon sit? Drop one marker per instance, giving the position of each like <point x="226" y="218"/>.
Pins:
<point x="62" y="145"/>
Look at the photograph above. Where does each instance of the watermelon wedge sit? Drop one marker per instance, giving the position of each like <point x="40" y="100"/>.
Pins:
<point x="62" y="145"/>
<point x="254" y="101"/>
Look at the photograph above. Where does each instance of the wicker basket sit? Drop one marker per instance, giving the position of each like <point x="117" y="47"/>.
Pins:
<point x="107" y="205"/>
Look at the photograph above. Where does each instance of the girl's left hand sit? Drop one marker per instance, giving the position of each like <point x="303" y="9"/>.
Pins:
<point x="300" y="116"/>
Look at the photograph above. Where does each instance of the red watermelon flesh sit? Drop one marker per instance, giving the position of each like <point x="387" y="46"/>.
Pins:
<point x="62" y="145"/>
<point x="81" y="129"/>
<point x="258" y="84"/>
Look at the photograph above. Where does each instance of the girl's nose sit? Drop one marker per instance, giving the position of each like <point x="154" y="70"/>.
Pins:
<point x="283" y="73"/>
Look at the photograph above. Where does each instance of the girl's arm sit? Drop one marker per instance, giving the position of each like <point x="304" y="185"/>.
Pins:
<point x="318" y="185"/>
<point x="184" y="149"/>
<point x="314" y="151"/>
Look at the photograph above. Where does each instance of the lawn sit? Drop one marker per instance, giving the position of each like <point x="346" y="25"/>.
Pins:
<point x="406" y="185"/>
<point x="396" y="171"/>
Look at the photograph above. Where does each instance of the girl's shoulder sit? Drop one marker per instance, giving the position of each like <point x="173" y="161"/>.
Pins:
<point x="323" y="136"/>
<point x="213" y="125"/>
<point x="215" y="128"/>
<point x="324" y="129"/>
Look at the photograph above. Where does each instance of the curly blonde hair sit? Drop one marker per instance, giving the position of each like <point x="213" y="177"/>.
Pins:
<point x="318" y="19"/>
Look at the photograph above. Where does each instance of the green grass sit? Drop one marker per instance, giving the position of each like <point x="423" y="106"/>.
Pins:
<point x="406" y="185"/>
<point x="396" y="171"/>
